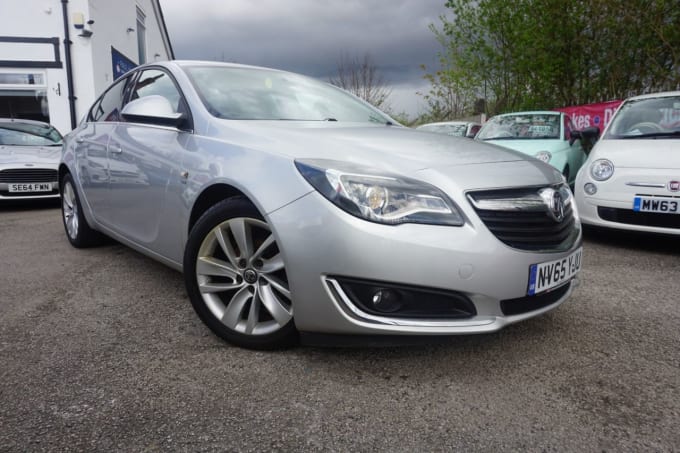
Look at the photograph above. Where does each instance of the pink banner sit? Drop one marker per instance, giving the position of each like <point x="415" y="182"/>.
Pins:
<point x="591" y="114"/>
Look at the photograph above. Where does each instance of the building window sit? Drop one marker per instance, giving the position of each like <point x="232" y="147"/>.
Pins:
<point x="141" y="36"/>
<point x="24" y="95"/>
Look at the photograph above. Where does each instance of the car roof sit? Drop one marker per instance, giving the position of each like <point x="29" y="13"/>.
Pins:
<point x="662" y="94"/>
<point x="218" y="64"/>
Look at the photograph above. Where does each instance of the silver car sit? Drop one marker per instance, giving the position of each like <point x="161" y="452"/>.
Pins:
<point x="296" y="210"/>
<point x="29" y="158"/>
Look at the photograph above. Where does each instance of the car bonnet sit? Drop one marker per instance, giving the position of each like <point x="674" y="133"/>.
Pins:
<point x="662" y="153"/>
<point x="29" y="154"/>
<point x="389" y="148"/>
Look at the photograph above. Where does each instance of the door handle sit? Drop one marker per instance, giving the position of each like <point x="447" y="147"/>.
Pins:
<point x="80" y="140"/>
<point x="115" y="149"/>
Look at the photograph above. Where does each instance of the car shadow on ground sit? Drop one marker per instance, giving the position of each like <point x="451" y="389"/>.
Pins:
<point x="29" y="205"/>
<point x="459" y="357"/>
<point x="659" y="243"/>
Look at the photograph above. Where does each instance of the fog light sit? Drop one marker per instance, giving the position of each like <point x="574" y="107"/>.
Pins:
<point x="590" y="188"/>
<point x="395" y="300"/>
<point x="386" y="300"/>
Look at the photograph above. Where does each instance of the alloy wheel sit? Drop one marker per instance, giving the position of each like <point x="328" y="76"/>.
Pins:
<point x="242" y="279"/>
<point x="70" y="210"/>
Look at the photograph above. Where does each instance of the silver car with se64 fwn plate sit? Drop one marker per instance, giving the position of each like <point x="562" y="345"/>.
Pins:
<point x="29" y="158"/>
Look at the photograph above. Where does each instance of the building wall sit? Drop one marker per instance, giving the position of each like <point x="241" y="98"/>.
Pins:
<point x="112" y="21"/>
<point x="37" y="19"/>
<point x="115" y="25"/>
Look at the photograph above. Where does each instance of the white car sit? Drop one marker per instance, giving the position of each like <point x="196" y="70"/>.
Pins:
<point x="631" y="180"/>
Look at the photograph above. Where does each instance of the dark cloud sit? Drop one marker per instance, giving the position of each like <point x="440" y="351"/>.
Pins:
<point x="310" y="36"/>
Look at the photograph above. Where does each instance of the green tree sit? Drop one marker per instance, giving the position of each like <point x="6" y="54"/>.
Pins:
<point x="537" y="54"/>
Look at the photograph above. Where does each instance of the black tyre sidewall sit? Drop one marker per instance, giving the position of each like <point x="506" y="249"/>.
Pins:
<point x="85" y="236"/>
<point x="222" y="211"/>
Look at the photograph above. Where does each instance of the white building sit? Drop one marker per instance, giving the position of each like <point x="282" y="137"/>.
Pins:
<point x="57" y="56"/>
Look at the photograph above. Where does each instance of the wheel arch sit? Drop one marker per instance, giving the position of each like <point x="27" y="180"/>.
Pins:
<point x="212" y="195"/>
<point x="63" y="170"/>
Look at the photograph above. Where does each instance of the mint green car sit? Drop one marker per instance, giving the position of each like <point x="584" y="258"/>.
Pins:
<point x="546" y="135"/>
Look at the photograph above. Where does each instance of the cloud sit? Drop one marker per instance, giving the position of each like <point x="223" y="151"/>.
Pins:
<point x="309" y="36"/>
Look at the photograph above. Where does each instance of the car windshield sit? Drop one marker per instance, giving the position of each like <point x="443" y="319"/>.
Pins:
<point x="27" y="134"/>
<point x="458" y="130"/>
<point x="526" y="126"/>
<point x="647" y="118"/>
<point x="262" y="94"/>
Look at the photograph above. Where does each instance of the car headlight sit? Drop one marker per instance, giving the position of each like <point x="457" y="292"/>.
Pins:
<point x="543" y="156"/>
<point x="378" y="197"/>
<point x="601" y="169"/>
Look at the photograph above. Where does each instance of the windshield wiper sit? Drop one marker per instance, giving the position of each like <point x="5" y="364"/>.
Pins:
<point x="651" y="135"/>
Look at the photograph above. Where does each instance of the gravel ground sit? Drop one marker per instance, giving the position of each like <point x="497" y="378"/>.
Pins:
<point x="100" y="350"/>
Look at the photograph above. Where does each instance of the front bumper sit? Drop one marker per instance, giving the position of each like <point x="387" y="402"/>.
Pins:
<point x="617" y="195"/>
<point x="319" y="241"/>
<point x="38" y="174"/>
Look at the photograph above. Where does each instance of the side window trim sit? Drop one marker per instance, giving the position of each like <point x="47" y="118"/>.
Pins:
<point x="98" y="102"/>
<point x="567" y="127"/>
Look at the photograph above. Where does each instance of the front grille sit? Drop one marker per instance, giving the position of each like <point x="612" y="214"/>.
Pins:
<point x="630" y="217"/>
<point x="526" y="304"/>
<point x="28" y="175"/>
<point x="520" y="219"/>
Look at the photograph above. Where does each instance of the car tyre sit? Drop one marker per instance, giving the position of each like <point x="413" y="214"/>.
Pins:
<point x="236" y="278"/>
<point x="78" y="231"/>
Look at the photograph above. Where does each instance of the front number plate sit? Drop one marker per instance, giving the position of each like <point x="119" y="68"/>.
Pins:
<point x="548" y="275"/>
<point x="656" y="204"/>
<point x="30" y="187"/>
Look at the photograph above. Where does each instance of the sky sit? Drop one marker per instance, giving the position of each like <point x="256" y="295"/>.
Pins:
<point x="311" y="36"/>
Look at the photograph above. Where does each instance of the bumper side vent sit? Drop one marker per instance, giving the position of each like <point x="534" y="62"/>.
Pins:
<point x="394" y="300"/>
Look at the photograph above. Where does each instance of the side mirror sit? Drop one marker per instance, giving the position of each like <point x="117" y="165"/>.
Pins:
<point x="153" y="109"/>
<point x="591" y="133"/>
<point x="589" y="136"/>
<point x="472" y="132"/>
<point x="573" y="136"/>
